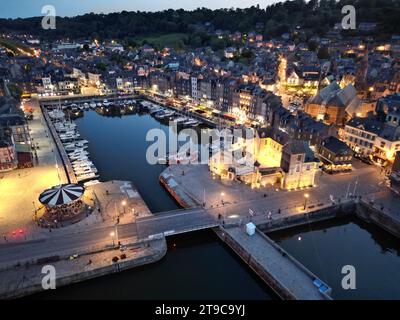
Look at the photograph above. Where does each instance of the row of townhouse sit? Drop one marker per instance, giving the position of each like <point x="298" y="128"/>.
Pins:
<point x="370" y="137"/>
<point x="377" y="136"/>
<point x="226" y="93"/>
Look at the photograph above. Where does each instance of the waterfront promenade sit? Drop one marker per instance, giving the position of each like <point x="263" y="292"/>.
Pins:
<point x="20" y="189"/>
<point x="66" y="163"/>
<point x="234" y="199"/>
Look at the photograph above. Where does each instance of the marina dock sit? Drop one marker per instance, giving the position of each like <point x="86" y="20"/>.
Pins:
<point x="198" y="117"/>
<point x="60" y="147"/>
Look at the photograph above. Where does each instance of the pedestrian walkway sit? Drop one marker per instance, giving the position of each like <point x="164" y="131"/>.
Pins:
<point x="288" y="277"/>
<point x="20" y="189"/>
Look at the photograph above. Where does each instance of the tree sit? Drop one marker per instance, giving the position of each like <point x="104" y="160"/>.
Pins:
<point x="323" y="53"/>
<point x="101" y="66"/>
<point x="86" y="47"/>
<point x="312" y="46"/>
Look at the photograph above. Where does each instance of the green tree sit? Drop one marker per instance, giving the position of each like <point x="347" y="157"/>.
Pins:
<point x="323" y="53"/>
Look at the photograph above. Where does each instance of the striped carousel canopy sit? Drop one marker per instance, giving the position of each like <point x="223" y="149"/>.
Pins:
<point x="62" y="194"/>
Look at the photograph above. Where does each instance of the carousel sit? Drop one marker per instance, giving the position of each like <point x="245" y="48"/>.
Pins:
<point x="63" y="202"/>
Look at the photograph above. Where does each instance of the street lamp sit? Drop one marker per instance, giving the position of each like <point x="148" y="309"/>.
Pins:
<point x="306" y="196"/>
<point x="123" y="205"/>
<point x="222" y="197"/>
<point x="112" y="235"/>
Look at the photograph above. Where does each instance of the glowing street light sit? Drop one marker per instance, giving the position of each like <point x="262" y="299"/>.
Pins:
<point x="222" y="197"/>
<point x="123" y="205"/>
<point x="306" y="196"/>
<point x="112" y="235"/>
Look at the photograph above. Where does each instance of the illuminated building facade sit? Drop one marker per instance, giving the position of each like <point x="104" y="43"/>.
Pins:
<point x="335" y="155"/>
<point x="8" y="160"/>
<point x="370" y="137"/>
<point x="299" y="165"/>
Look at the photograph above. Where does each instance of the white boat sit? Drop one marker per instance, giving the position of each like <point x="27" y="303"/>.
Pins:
<point x="80" y="160"/>
<point x="65" y="130"/>
<point x="180" y="119"/>
<point x="77" y="151"/>
<point x="92" y="105"/>
<point x="64" y="125"/>
<point x="86" y="106"/>
<point x="164" y="115"/>
<point x="78" y="157"/>
<point x="82" y="164"/>
<point x="72" y="147"/>
<point x="66" y="138"/>
<point x="99" y="104"/>
<point x="155" y="109"/>
<point x="78" y="163"/>
<point x="56" y="114"/>
<point x="82" y="141"/>
<point x="106" y="103"/>
<point x="81" y="156"/>
<point x="71" y="134"/>
<point x="191" y="123"/>
<point x="85" y="170"/>
<point x="159" y="115"/>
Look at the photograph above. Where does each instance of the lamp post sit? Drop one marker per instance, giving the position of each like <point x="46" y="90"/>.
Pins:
<point x="123" y="205"/>
<point x="222" y="197"/>
<point x="112" y="235"/>
<point x="306" y="196"/>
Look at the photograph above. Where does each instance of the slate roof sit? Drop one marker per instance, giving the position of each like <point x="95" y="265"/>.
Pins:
<point x="366" y="124"/>
<point x="300" y="147"/>
<point x="336" y="146"/>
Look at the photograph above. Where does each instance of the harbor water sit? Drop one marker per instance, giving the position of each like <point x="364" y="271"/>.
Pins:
<point x="326" y="247"/>
<point x="198" y="265"/>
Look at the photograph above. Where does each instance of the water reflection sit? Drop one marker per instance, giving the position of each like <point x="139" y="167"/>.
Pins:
<point x="328" y="246"/>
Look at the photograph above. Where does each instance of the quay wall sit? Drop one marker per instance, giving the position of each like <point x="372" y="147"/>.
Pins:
<point x="180" y="196"/>
<point x="64" y="157"/>
<point x="278" y="288"/>
<point x="311" y="216"/>
<point x="55" y="101"/>
<point x="375" y="214"/>
<point x="193" y="115"/>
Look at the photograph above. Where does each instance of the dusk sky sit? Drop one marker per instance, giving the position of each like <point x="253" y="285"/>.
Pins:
<point x="29" y="8"/>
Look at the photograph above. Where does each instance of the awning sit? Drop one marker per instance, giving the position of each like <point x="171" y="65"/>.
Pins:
<point x="62" y="194"/>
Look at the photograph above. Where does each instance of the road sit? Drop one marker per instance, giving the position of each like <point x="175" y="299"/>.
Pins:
<point x="237" y="200"/>
<point x="171" y="222"/>
<point x="99" y="237"/>
<point x="175" y="222"/>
